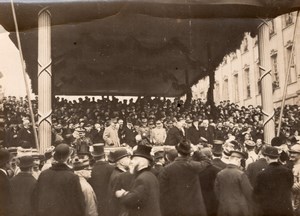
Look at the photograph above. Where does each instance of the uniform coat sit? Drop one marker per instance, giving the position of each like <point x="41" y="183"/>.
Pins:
<point x="174" y="136"/>
<point x="58" y="192"/>
<point x="254" y="168"/>
<point x="272" y="191"/>
<point x="22" y="186"/>
<point x="5" y="195"/>
<point x="143" y="197"/>
<point x="99" y="181"/>
<point x="234" y="192"/>
<point x="129" y="136"/>
<point x="207" y="133"/>
<point x="181" y="193"/>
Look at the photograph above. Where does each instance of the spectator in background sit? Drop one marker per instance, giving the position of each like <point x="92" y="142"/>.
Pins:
<point x="110" y="134"/>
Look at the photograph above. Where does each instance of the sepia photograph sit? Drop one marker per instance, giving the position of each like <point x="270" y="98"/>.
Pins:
<point x="149" y="108"/>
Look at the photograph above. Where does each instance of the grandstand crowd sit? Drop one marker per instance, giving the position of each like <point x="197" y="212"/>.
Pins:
<point x="151" y="156"/>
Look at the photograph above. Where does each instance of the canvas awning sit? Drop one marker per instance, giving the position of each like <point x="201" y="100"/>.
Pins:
<point x="145" y="47"/>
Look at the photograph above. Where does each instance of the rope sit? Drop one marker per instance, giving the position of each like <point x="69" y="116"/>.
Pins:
<point x="45" y="118"/>
<point x="287" y="76"/>
<point x="24" y="75"/>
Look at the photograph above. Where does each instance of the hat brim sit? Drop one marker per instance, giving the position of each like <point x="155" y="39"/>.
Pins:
<point x="293" y="151"/>
<point x="95" y="154"/>
<point x="143" y="156"/>
<point x="26" y="165"/>
<point x="238" y="152"/>
<point x="270" y="155"/>
<point x="119" y="158"/>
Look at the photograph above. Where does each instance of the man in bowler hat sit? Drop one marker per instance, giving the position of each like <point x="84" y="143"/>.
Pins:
<point x="272" y="191"/>
<point x="58" y="191"/>
<point x="179" y="184"/>
<point x="143" y="196"/>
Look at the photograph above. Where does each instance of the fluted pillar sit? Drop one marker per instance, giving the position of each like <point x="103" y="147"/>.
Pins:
<point x="44" y="79"/>
<point x="266" y="82"/>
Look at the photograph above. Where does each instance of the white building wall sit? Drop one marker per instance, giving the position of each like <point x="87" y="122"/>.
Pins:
<point x="237" y="62"/>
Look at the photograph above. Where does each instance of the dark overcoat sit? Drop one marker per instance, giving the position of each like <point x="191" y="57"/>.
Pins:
<point x="180" y="188"/>
<point x="207" y="179"/>
<point x="174" y="136"/>
<point x="99" y="181"/>
<point x="254" y="168"/>
<point x="5" y="195"/>
<point x="234" y="192"/>
<point x="272" y="191"/>
<point x="58" y="192"/>
<point x="208" y="133"/>
<point x="122" y="181"/>
<point x="22" y="186"/>
<point x="143" y="196"/>
<point x="218" y="163"/>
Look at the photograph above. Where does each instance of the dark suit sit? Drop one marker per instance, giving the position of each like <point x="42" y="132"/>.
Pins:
<point x="254" y="168"/>
<point x="99" y="181"/>
<point x="58" y="192"/>
<point x="174" y="136"/>
<point x="97" y="136"/>
<point x="22" y="186"/>
<point x="272" y="191"/>
<point x="129" y="136"/>
<point x="157" y="168"/>
<point x="193" y="135"/>
<point x="5" y="195"/>
<point x="207" y="133"/>
<point x="207" y="179"/>
<point x="180" y="188"/>
<point x="26" y="135"/>
<point x="143" y="197"/>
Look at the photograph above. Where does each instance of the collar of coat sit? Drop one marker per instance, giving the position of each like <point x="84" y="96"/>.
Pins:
<point x="60" y="166"/>
<point x="143" y="170"/>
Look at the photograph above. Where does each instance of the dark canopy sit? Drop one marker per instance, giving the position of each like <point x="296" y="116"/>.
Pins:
<point x="145" y="47"/>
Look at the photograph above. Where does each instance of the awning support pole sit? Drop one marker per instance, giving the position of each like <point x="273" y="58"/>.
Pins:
<point x="266" y="82"/>
<point x="44" y="79"/>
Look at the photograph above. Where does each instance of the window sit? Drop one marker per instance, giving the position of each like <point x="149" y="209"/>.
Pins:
<point x="293" y="72"/>
<point x="225" y="90"/>
<point x="287" y="19"/>
<point x="217" y="92"/>
<point x="271" y="28"/>
<point x="275" y="74"/>
<point x="247" y="83"/>
<point x="236" y="87"/>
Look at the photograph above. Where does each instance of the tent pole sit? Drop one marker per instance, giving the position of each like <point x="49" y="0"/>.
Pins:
<point x="266" y="82"/>
<point x="288" y="69"/>
<point x="24" y="76"/>
<point x="44" y="78"/>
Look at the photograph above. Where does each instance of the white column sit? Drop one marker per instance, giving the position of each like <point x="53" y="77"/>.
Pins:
<point x="44" y="79"/>
<point x="266" y="82"/>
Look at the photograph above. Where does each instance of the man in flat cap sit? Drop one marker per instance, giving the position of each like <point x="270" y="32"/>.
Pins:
<point x="232" y="187"/>
<point x="58" y="191"/>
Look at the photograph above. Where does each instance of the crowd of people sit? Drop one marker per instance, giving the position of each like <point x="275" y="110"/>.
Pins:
<point x="150" y="157"/>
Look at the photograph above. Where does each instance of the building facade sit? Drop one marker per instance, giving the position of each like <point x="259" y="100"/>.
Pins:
<point x="238" y="76"/>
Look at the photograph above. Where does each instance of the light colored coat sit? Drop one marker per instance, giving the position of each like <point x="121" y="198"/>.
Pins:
<point x="111" y="137"/>
<point x="89" y="197"/>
